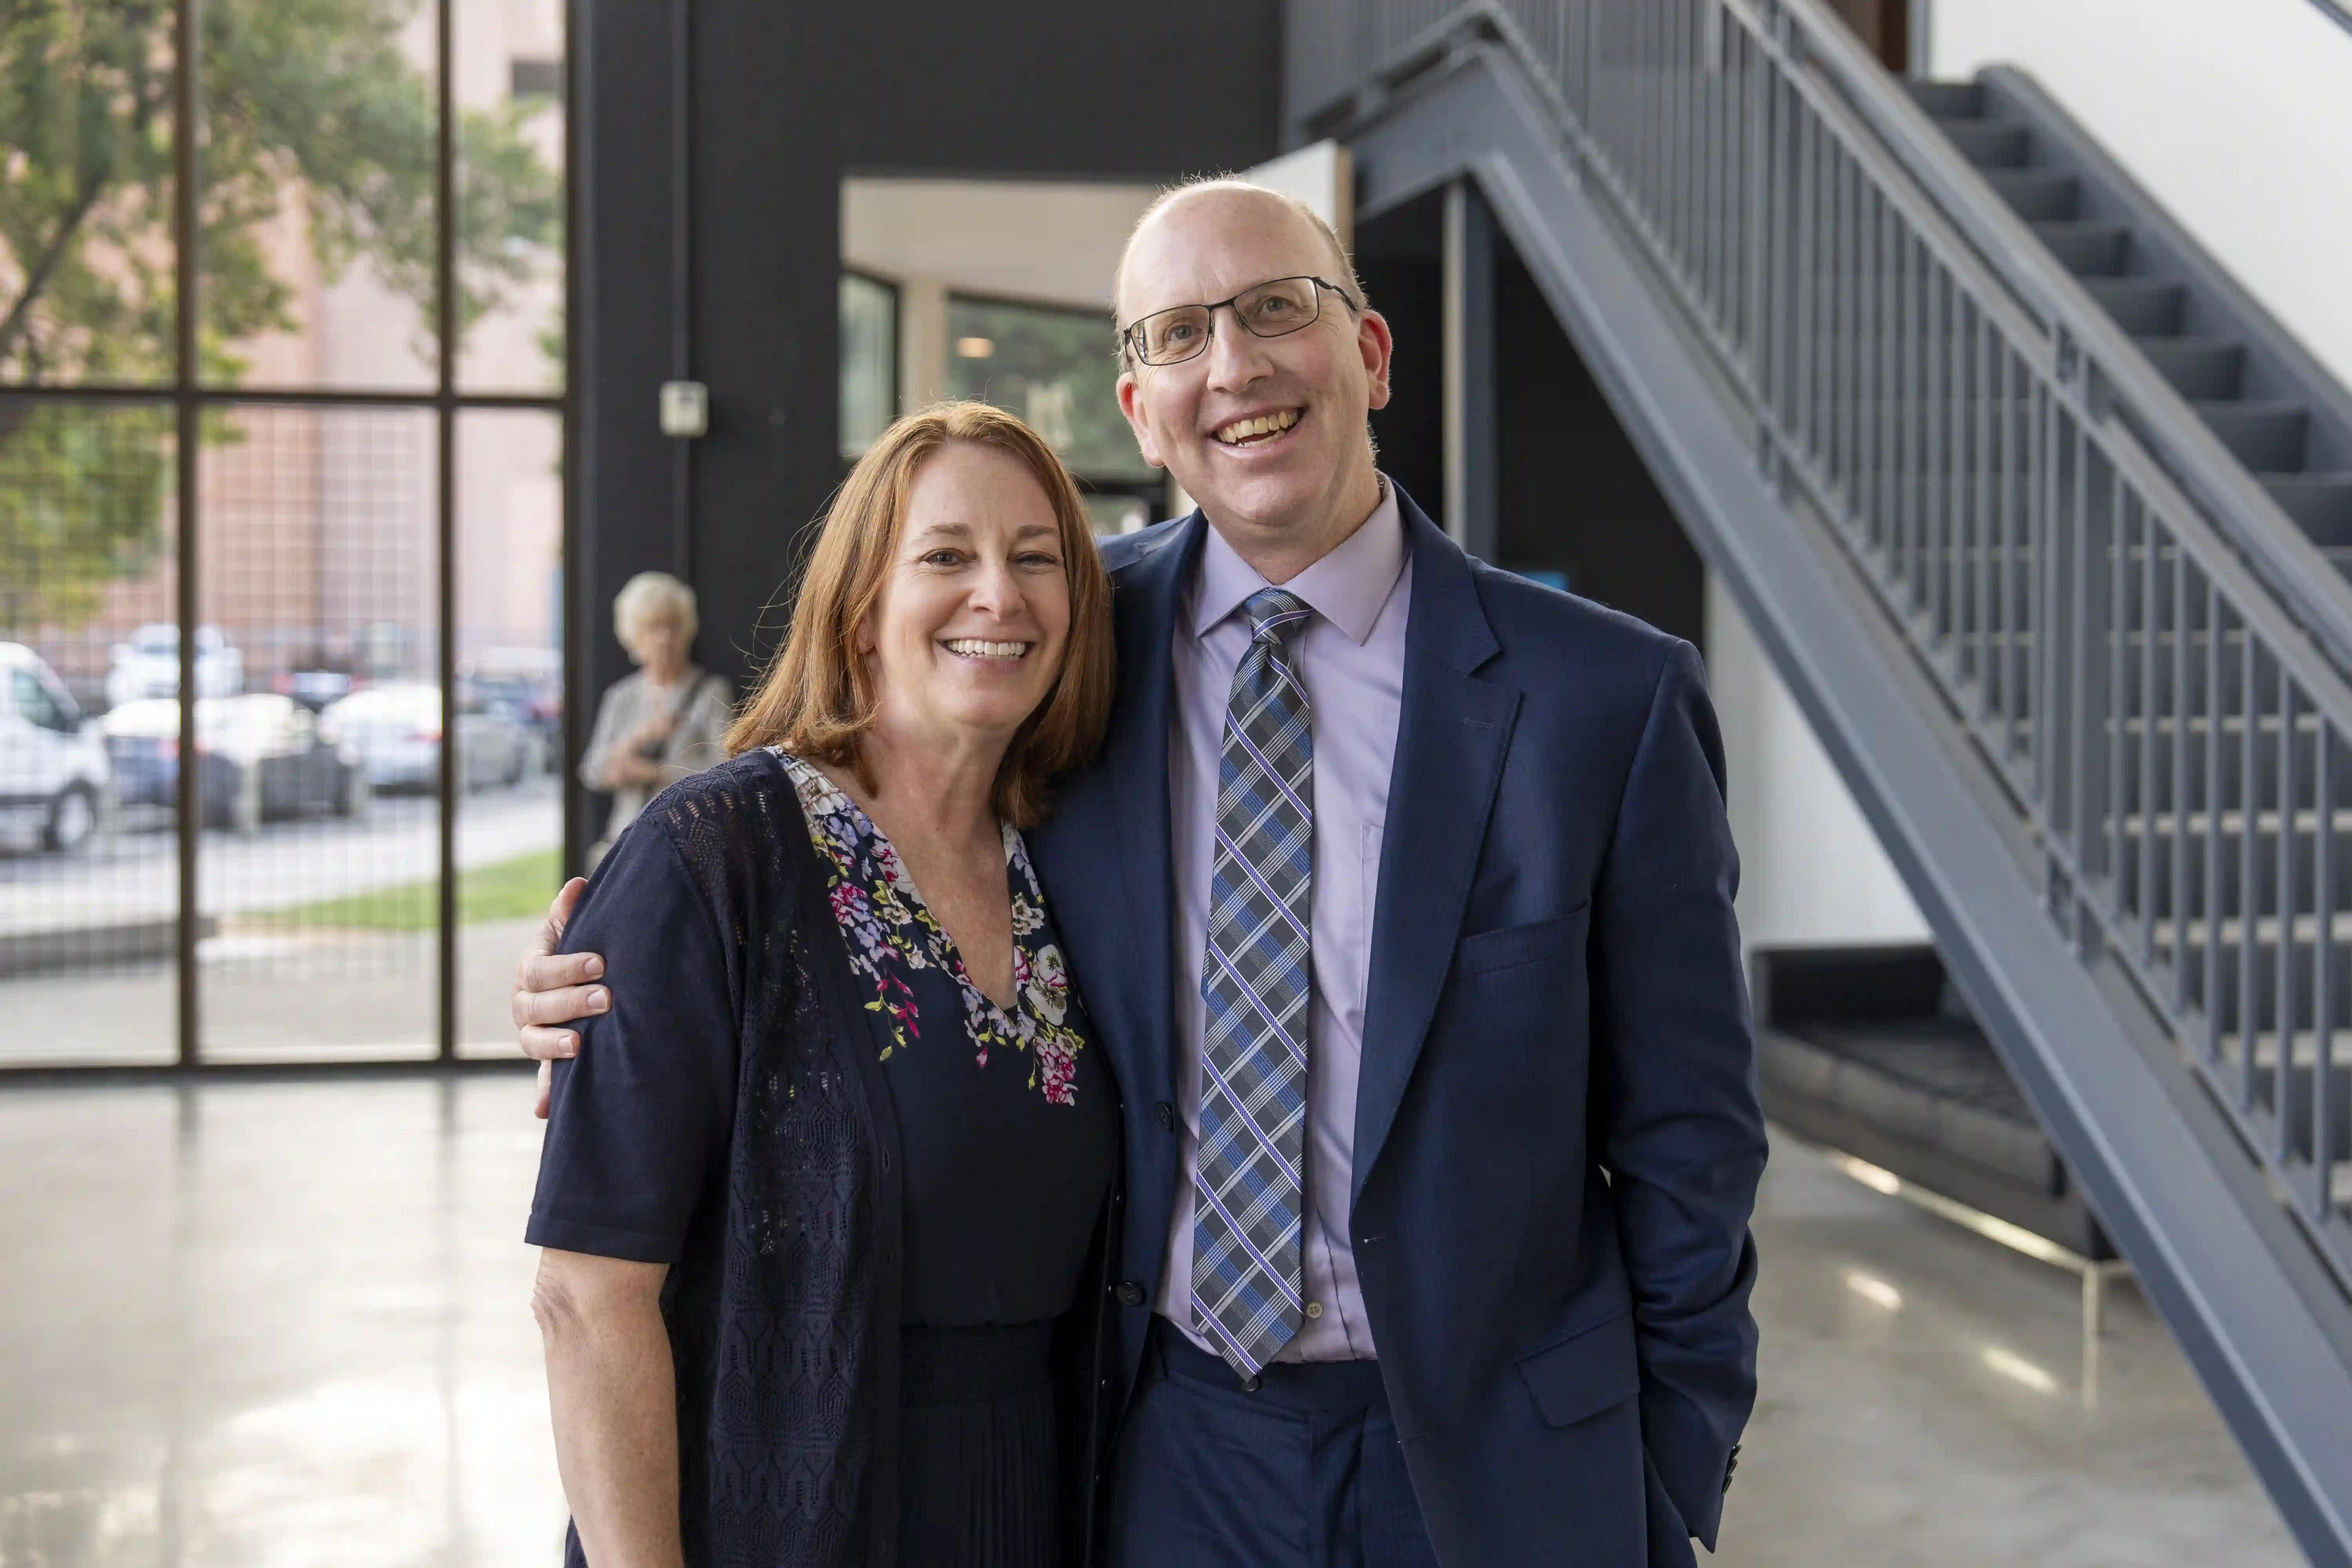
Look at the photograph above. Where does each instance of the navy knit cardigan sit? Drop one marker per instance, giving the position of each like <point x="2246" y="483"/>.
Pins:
<point x="783" y="1310"/>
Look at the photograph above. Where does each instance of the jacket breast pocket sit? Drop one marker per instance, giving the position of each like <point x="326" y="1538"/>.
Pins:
<point x="1506" y="947"/>
<point x="1585" y="1373"/>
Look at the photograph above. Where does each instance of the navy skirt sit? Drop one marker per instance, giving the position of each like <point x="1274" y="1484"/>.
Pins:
<point x="976" y="1483"/>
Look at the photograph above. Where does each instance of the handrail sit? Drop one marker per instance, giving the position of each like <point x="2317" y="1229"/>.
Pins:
<point x="2149" y="653"/>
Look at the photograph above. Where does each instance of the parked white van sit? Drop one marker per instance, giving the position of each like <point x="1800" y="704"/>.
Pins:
<point x="54" y="773"/>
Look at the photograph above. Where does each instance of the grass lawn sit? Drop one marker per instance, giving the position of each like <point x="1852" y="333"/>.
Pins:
<point x="502" y="891"/>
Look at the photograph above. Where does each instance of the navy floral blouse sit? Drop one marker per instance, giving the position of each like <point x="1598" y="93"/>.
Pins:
<point x="1007" y="1119"/>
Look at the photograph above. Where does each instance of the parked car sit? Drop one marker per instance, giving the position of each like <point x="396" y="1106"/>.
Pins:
<point x="260" y="758"/>
<point x="527" y="682"/>
<point x="54" y="772"/>
<point x="396" y="730"/>
<point x="149" y="665"/>
<point x="314" y="689"/>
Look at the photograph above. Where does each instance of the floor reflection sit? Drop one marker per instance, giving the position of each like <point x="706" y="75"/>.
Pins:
<point x="265" y="1326"/>
<point x="277" y="1326"/>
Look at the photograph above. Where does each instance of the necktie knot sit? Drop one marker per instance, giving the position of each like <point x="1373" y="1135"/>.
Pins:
<point x="1276" y="615"/>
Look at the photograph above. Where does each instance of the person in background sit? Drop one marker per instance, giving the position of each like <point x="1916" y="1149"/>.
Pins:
<point x="666" y="722"/>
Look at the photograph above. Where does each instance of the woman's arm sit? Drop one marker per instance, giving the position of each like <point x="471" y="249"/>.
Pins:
<point x="613" y="1392"/>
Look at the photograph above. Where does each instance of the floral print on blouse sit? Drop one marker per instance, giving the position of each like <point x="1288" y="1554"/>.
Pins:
<point x="890" y="931"/>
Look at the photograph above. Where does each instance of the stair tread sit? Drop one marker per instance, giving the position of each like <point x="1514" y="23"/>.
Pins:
<point x="2199" y="368"/>
<point x="1989" y="144"/>
<point x="2140" y="304"/>
<point x="2320" y="504"/>
<point x="2036" y="193"/>
<point x="2090" y="247"/>
<point x="1946" y="99"/>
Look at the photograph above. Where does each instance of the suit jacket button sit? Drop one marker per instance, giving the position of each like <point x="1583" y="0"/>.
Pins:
<point x="1130" y="1293"/>
<point x="1167" y="1114"/>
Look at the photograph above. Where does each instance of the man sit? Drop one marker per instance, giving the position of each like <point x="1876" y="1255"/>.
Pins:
<point x="1401" y="893"/>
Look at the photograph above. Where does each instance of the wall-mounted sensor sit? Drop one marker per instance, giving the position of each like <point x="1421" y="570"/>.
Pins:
<point x="685" y="408"/>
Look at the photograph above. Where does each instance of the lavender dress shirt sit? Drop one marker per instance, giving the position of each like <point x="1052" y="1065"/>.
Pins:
<point x="1352" y="659"/>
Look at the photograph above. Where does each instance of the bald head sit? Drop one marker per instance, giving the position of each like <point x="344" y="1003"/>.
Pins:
<point x="1267" y="430"/>
<point x="1178" y="214"/>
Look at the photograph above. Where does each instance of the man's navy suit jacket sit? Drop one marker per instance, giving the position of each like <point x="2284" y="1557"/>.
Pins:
<point x="1558" y="1137"/>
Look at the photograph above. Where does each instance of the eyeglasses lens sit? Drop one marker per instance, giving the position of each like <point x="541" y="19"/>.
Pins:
<point x="1269" y="310"/>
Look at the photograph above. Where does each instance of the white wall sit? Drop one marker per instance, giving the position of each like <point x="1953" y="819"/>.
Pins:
<point x="2236" y="115"/>
<point x="1811" y="867"/>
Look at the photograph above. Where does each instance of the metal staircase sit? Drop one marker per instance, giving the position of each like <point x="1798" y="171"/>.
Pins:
<point x="2252" y="383"/>
<point x="1924" y="394"/>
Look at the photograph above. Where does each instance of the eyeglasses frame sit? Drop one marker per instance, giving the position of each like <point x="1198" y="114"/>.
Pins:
<point x="1129" y="343"/>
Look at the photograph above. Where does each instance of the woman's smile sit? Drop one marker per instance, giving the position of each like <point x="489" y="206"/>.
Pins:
<point x="983" y="652"/>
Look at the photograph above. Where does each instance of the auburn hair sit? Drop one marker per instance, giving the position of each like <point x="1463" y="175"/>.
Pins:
<point x="818" y="698"/>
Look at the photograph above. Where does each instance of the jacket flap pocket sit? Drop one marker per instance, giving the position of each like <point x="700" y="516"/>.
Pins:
<point x="1585" y="1373"/>
<point x="1506" y="946"/>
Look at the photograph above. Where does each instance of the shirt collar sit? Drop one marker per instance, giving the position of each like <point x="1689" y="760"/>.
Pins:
<point x="1347" y="587"/>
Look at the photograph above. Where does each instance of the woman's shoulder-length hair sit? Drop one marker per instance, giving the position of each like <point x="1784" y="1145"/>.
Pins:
<point x="817" y="698"/>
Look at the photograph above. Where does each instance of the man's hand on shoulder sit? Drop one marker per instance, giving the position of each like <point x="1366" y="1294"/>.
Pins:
<point x="552" y="989"/>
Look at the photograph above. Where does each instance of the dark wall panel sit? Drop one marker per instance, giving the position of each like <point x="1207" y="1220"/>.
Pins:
<point x="1061" y="86"/>
<point x="766" y="259"/>
<point x="1575" y="496"/>
<point x="1397" y="257"/>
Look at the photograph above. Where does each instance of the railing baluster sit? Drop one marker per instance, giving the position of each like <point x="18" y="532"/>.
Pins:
<point x="2283" y="1091"/>
<point x="2115" y="558"/>
<point x="1869" y="416"/>
<point x="2145" y="708"/>
<point x="1801" y="398"/>
<point x="2215" y="708"/>
<point x="2323" y="1005"/>
<point x="2248" y="810"/>
<point x="1980" y="520"/>
<point x="2007" y="477"/>
<point x="2179" y="708"/>
<point x="1933" y="403"/>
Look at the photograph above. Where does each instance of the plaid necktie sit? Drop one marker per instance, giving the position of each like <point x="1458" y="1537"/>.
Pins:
<point x="1249" y="1180"/>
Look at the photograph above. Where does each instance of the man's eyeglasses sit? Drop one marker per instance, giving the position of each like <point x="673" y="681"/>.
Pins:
<point x="1268" y="310"/>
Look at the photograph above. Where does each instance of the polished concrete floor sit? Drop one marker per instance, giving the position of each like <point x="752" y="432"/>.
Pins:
<point x="287" y="1325"/>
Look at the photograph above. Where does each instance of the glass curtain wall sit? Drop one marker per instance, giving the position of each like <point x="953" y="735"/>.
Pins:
<point x="1058" y="368"/>
<point x="869" y="362"/>
<point x="282" y="419"/>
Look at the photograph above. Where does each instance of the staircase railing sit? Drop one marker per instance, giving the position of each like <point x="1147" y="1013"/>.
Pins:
<point x="2146" y="651"/>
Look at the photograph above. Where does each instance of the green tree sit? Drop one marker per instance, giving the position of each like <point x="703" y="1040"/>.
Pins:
<point x="308" y="108"/>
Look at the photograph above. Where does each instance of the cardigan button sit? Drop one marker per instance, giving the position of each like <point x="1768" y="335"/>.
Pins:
<point x="1130" y="1293"/>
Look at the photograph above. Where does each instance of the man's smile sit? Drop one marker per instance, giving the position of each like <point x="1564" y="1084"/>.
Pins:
<point x="1258" y="429"/>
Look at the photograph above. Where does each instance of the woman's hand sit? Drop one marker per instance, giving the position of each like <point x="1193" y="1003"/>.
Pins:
<point x="552" y="989"/>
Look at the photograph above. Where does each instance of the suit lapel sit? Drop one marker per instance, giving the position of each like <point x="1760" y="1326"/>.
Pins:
<point x="1452" y="737"/>
<point x="1146" y="595"/>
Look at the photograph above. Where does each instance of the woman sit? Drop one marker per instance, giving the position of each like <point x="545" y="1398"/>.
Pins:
<point x="666" y="720"/>
<point x="817" y="1197"/>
